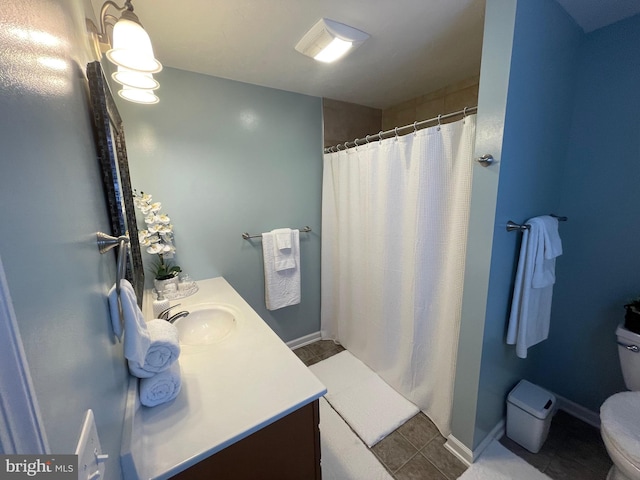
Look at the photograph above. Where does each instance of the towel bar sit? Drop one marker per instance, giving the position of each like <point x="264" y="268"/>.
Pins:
<point x="247" y="236"/>
<point x="106" y="243"/>
<point x="512" y="226"/>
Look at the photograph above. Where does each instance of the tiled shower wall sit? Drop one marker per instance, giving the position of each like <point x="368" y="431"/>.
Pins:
<point x="344" y="122"/>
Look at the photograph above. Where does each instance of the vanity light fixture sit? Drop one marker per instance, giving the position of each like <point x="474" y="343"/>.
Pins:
<point x="129" y="48"/>
<point x="328" y="40"/>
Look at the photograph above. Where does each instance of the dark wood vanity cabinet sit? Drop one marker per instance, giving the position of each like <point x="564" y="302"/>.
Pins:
<point x="288" y="449"/>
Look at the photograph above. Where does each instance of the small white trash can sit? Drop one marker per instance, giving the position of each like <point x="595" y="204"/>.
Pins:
<point x="529" y="412"/>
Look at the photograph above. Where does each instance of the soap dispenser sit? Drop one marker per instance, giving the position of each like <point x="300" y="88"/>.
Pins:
<point x="160" y="305"/>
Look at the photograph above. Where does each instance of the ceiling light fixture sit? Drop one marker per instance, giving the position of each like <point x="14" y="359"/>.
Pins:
<point x="327" y="41"/>
<point x="128" y="47"/>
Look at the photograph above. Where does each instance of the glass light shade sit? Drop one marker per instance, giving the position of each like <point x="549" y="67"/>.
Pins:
<point x="132" y="48"/>
<point x="131" y="78"/>
<point x="138" y="95"/>
<point x="332" y="52"/>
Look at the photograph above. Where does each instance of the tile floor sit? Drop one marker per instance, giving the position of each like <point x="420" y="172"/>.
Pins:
<point x="573" y="451"/>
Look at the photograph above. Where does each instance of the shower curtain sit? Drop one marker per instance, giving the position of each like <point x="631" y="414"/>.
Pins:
<point x="394" y="218"/>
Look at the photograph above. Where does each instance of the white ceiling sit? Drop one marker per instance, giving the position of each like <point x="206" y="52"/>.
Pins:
<point x="416" y="46"/>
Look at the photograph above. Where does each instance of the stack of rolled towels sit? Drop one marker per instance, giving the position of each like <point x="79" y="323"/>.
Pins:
<point x="151" y="348"/>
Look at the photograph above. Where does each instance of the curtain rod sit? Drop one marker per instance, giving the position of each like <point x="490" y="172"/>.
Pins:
<point x="394" y="131"/>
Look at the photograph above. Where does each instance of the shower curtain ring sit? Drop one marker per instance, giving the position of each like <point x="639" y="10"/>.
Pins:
<point x="380" y="136"/>
<point x="366" y="138"/>
<point x="345" y="146"/>
<point x="415" y="127"/>
<point x="396" y="131"/>
<point x="439" y="121"/>
<point x="356" y="142"/>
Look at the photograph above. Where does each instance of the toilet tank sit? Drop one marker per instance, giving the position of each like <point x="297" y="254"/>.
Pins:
<point x="629" y="352"/>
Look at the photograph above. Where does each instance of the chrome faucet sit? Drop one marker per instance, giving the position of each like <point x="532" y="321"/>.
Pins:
<point x="164" y="315"/>
<point x="178" y="315"/>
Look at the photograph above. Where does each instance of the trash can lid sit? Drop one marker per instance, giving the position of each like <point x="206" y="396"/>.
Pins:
<point x="532" y="399"/>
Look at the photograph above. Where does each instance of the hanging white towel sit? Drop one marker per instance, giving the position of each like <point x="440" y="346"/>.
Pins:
<point x="161" y="388"/>
<point x="136" y="335"/>
<point x="116" y="315"/>
<point x="283" y="255"/>
<point x="283" y="238"/>
<point x="164" y="350"/>
<point x="281" y="287"/>
<point x="533" y="289"/>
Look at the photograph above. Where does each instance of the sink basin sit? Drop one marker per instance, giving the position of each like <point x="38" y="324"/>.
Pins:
<point x="206" y="323"/>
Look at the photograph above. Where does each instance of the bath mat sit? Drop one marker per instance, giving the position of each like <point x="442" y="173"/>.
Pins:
<point x="498" y="463"/>
<point x="344" y="456"/>
<point x="371" y="407"/>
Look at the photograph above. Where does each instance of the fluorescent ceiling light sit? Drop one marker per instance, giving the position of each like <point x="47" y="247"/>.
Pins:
<point x="332" y="52"/>
<point x="327" y="41"/>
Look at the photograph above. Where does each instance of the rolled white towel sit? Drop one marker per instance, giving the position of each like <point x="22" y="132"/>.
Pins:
<point x="163" y="351"/>
<point x="161" y="388"/>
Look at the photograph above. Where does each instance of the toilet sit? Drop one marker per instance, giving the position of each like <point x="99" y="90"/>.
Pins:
<point x="620" y="413"/>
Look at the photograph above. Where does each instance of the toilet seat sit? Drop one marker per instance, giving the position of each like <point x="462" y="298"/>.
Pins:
<point x="620" y="425"/>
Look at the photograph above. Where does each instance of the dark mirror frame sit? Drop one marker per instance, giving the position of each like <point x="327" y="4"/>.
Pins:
<point x="114" y="166"/>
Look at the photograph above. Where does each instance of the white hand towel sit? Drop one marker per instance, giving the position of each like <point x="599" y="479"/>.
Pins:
<point x="136" y="335"/>
<point x="283" y="254"/>
<point x="161" y="388"/>
<point x="549" y="247"/>
<point x="531" y="305"/>
<point x="283" y="238"/>
<point x="281" y="287"/>
<point x="552" y="241"/>
<point x="164" y="350"/>
<point x="116" y="315"/>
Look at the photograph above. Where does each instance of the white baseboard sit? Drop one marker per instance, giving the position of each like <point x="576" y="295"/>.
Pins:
<point x="468" y="456"/>
<point x="578" y="411"/>
<point x="459" y="449"/>
<point x="302" y="341"/>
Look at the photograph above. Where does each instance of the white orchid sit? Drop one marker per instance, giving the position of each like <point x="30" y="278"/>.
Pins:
<point x="157" y="238"/>
<point x="156" y="248"/>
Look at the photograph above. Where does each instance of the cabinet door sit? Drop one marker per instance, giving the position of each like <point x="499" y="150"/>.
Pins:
<point x="288" y="449"/>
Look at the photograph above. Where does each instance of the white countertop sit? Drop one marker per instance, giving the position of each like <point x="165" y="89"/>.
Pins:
<point x="229" y="390"/>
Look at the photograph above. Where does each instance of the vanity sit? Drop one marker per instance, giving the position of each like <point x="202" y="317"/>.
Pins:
<point x="248" y="408"/>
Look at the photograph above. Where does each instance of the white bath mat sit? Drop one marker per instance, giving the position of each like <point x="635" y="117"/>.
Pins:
<point x="344" y="456"/>
<point x="371" y="407"/>
<point x="498" y="463"/>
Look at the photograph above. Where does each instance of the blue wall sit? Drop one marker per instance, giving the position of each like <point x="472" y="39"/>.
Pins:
<point x="52" y="206"/>
<point x="224" y="158"/>
<point x="541" y="68"/>
<point x="570" y="146"/>
<point x="600" y="269"/>
<point x="537" y="126"/>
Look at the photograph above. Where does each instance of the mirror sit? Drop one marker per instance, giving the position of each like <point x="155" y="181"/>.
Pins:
<point x="114" y="166"/>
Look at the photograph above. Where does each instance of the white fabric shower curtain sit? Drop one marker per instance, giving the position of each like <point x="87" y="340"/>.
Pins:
<point x="394" y="230"/>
